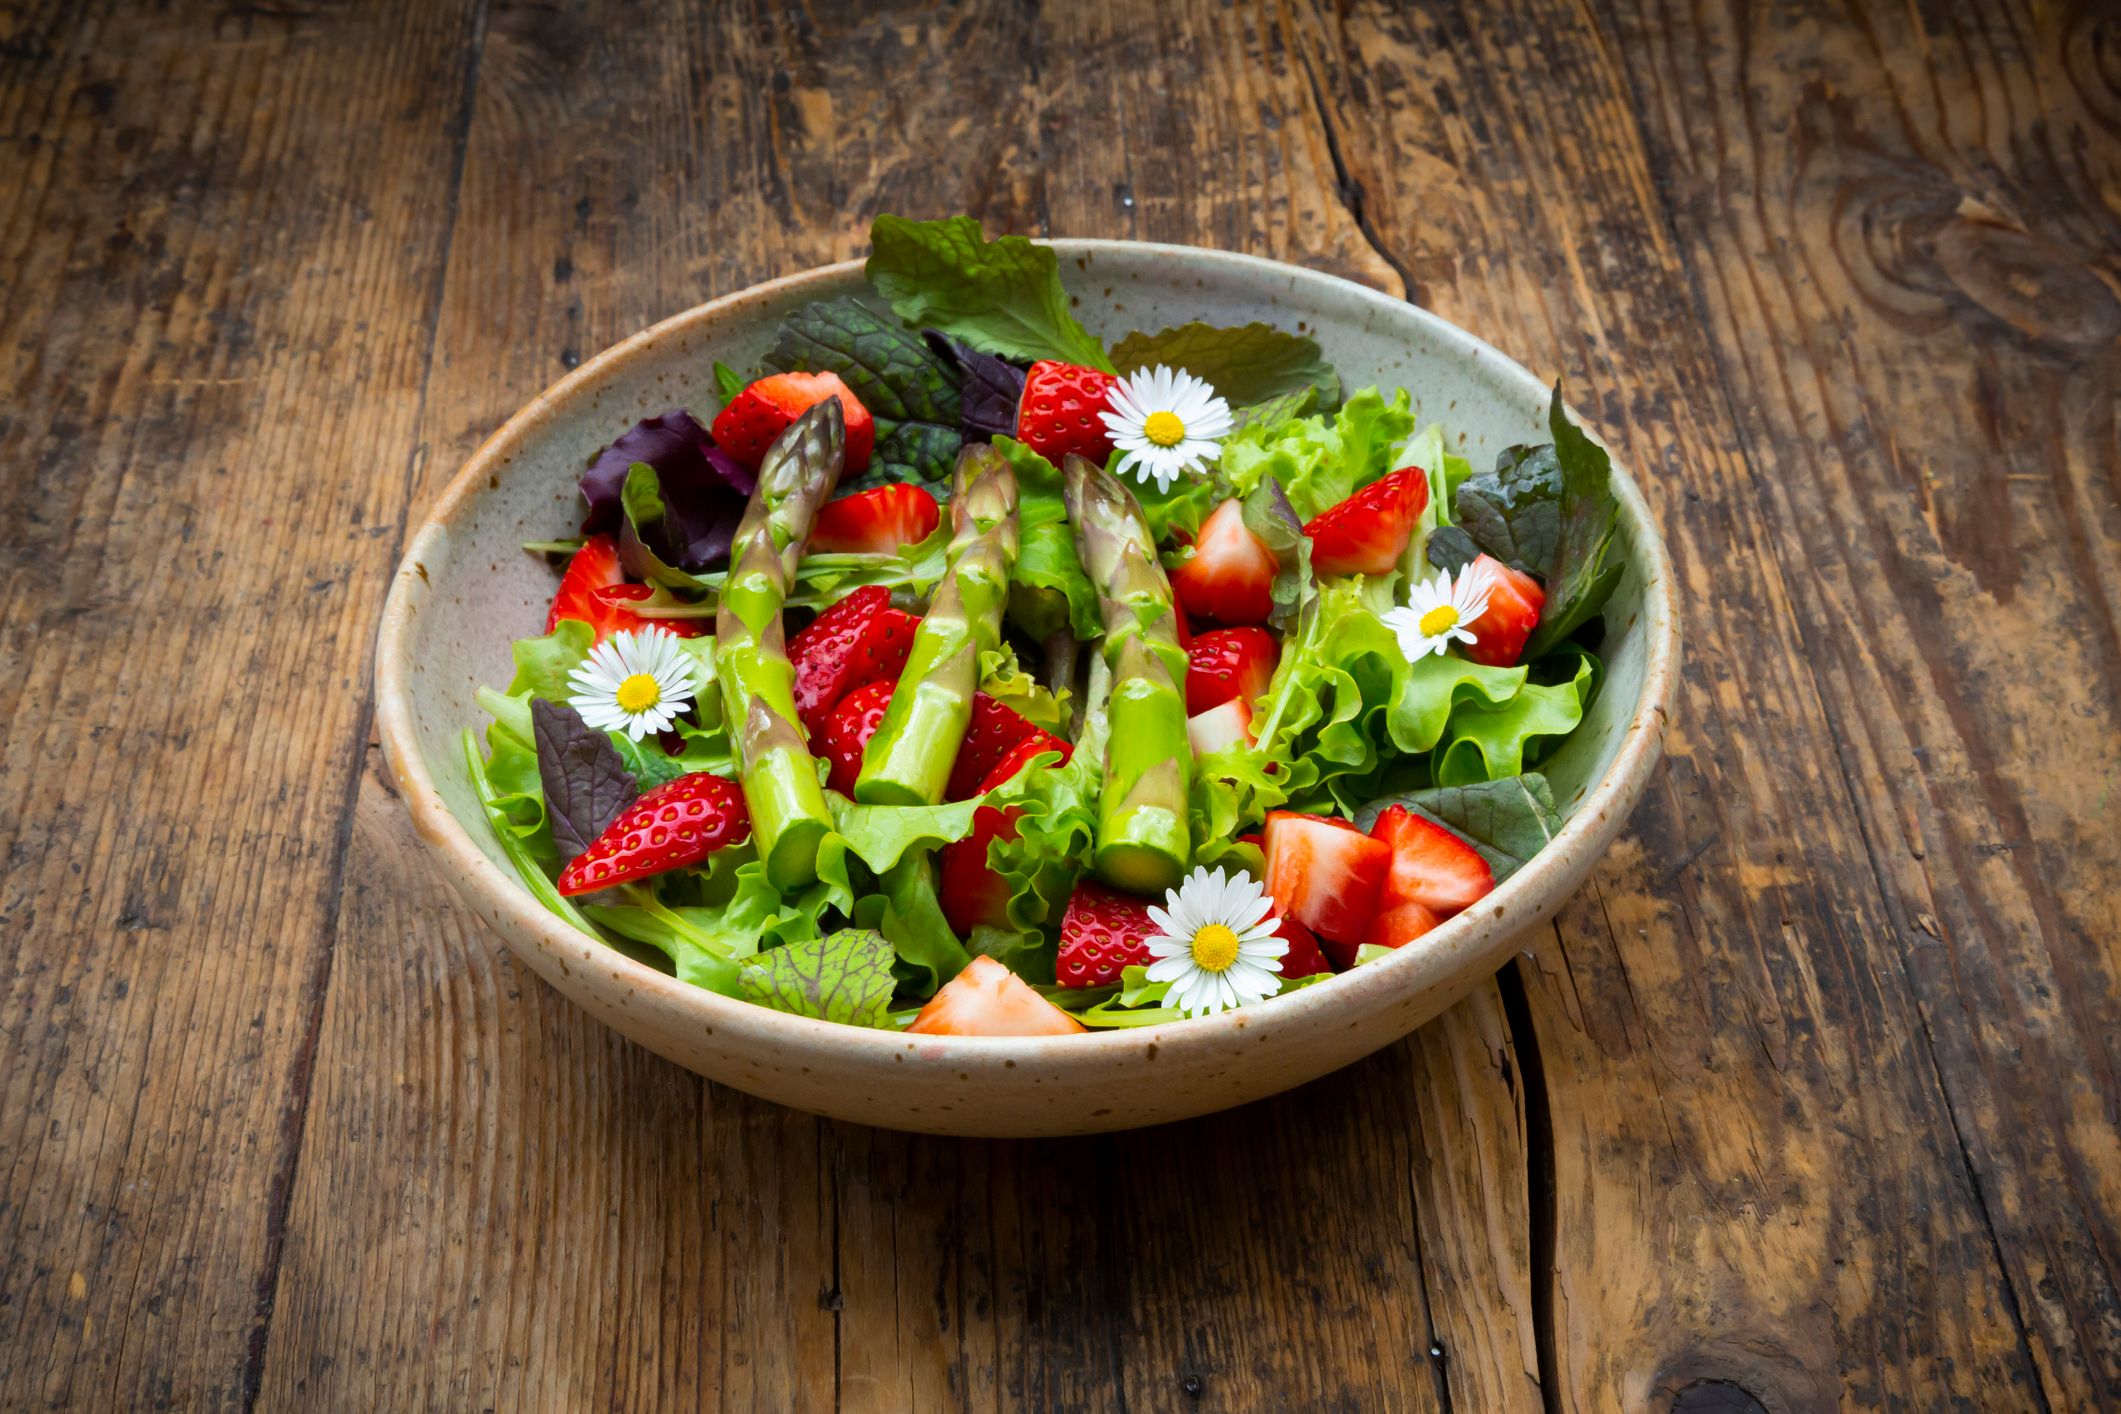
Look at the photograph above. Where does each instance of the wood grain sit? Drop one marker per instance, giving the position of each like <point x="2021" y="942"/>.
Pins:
<point x="1808" y="1098"/>
<point x="222" y="239"/>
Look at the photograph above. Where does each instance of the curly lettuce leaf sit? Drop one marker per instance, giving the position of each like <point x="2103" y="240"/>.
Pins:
<point x="1488" y="742"/>
<point x="1003" y="678"/>
<point x="1175" y="509"/>
<point x="1003" y="297"/>
<point x="1048" y="589"/>
<point x="904" y="909"/>
<point x="1247" y="364"/>
<point x="1508" y="821"/>
<point x="1320" y="464"/>
<point x="844" y="976"/>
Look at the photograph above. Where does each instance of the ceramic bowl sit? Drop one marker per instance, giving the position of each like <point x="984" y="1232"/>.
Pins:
<point x="465" y="590"/>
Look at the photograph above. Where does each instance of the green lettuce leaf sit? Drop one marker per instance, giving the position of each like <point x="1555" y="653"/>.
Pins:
<point x="1248" y="364"/>
<point x="1048" y="589"/>
<point x="882" y="835"/>
<point x="843" y="977"/>
<point x="542" y="664"/>
<point x="904" y="909"/>
<point x="1003" y="678"/>
<point x="529" y="851"/>
<point x="1276" y="409"/>
<point x="1488" y="741"/>
<point x="1508" y="821"/>
<point x="1321" y="464"/>
<point x="1003" y="297"/>
<point x="1181" y="506"/>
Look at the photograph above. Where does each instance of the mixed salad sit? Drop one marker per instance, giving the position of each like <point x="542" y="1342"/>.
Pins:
<point x="963" y="675"/>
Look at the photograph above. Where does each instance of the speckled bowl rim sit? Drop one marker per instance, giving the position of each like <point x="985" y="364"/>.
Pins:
<point x="1479" y="937"/>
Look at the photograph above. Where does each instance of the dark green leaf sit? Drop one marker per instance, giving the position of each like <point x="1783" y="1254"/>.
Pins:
<point x="1514" y="512"/>
<point x="586" y="784"/>
<point x="649" y="763"/>
<point x="898" y="377"/>
<point x="1581" y="580"/>
<point x="1002" y="297"/>
<point x="843" y="977"/>
<point x="1450" y="548"/>
<point x="1249" y="364"/>
<point x="1508" y="821"/>
<point x="727" y="380"/>
<point x="919" y="452"/>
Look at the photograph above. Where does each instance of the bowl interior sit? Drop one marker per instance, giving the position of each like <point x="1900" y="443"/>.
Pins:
<point x="488" y="591"/>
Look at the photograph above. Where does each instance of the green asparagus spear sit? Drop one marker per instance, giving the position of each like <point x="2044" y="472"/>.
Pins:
<point x="908" y="761"/>
<point x="1142" y="840"/>
<point x="789" y="818"/>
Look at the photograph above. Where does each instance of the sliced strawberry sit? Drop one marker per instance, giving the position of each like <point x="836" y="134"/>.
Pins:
<point x="1514" y="602"/>
<point x="880" y="521"/>
<point x="1304" y="958"/>
<point x="595" y="566"/>
<point x="987" y="999"/>
<point x="1393" y="927"/>
<point x="613" y="607"/>
<point x="859" y="640"/>
<point x="672" y="826"/>
<point x="1059" y="412"/>
<point x="1231" y="576"/>
<point x="760" y="413"/>
<point x="848" y="727"/>
<point x="1368" y="532"/>
<point x="1102" y="934"/>
<point x="1430" y="865"/>
<point x="1226" y="725"/>
<point x="1326" y="874"/>
<point x="1226" y="663"/>
<point x="992" y="734"/>
<point x="969" y="890"/>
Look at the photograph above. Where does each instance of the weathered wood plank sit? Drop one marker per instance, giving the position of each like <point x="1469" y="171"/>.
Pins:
<point x="1756" y="1178"/>
<point x="786" y="1253"/>
<point x="221" y="235"/>
<point x="1903" y="246"/>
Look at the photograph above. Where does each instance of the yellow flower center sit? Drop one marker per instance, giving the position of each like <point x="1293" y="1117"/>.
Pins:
<point x="1441" y="619"/>
<point x="1214" y="948"/>
<point x="1164" y="429"/>
<point x="639" y="692"/>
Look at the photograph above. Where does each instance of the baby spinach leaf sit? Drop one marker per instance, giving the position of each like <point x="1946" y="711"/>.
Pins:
<point x="1580" y="581"/>
<point x="1002" y="297"/>
<point x="843" y="977"/>
<point x="586" y="785"/>
<point x="1248" y="364"/>
<point x="905" y="910"/>
<point x="1508" y="821"/>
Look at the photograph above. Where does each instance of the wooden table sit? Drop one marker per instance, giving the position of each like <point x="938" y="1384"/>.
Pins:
<point x="1811" y="1095"/>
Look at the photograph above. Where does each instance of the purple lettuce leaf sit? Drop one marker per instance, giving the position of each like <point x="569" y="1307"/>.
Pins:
<point x="586" y="784"/>
<point x="991" y="391"/>
<point x="703" y="488"/>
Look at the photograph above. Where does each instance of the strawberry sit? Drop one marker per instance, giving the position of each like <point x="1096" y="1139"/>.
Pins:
<point x="881" y="521"/>
<point x="1368" y="532"/>
<point x="1229" y="724"/>
<point x="1514" y="602"/>
<point x="1304" y="957"/>
<point x="1059" y="411"/>
<point x="992" y="734"/>
<point x="859" y="640"/>
<point x="1326" y="874"/>
<point x="1393" y="927"/>
<point x="760" y="413"/>
<point x="1229" y="663"/>
<point x="1230" y="577"/>
<point x="1102" y="934"/>
<point x="1430" y="865"/>
<point x="967" y="887"/>
<point x="848" y="728"/>
<point x="672" y="826"/>
<point x="987" y="999"/>
<point x="595" y="592"/>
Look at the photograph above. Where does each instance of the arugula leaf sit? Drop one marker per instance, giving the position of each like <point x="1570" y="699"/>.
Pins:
<point x="1248" y="364"/>
<point x="909" y="388"/>
<point x="1507" y="821"/>
<point x="1268" y="515"/>
<point x="1321" y="464"/>
<point x="991" y="389"/>
<point x="727" y="381"/>
<point x="843" y="977"/>
<point x="586" y="785"/>
<point x="1002" y="297"/>
<point x="1581" y="580"/>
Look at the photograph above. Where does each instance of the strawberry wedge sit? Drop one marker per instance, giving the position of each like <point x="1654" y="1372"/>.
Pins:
<point x="1230" y="577"/>
<point x="880" y="521"/>
<point x="1430" y="865"/>
<point x="987" y="999"/>
<point x="1368" y="532"/>
<point x="1514" y="602"/>
<point x="1326" y="874"/>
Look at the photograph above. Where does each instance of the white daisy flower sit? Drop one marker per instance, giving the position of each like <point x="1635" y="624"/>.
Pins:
<point x="1215" y="943"/>
<point x="636" y="682"/>
<point x="1167" y="422"/>
<point x="1438" y="611"/>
